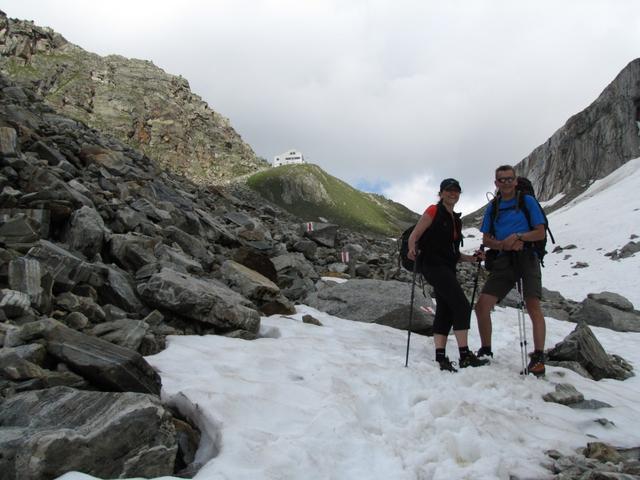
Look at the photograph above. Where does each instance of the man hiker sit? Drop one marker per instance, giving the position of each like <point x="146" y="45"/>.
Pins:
<point x="438" y="235"/>
<point x="509" y="232"/>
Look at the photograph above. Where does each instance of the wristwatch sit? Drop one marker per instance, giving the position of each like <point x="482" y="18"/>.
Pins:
<point x="519" y="235"/>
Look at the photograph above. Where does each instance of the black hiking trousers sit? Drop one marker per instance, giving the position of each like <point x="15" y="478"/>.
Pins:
<point x="452" y="307"/>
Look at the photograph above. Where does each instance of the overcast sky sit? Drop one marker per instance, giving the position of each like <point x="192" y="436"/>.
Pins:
<point x="390" y="96"/>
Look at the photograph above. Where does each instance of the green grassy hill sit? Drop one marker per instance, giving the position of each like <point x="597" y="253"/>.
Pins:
<point x="309" y="192"/>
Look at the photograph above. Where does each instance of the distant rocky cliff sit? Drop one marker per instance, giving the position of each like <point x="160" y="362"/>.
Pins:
<point x="592" y="143"/>
<point x="133" y="100"/>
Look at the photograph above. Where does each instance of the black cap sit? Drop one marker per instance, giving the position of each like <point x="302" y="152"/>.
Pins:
<point x="449" y="183"/>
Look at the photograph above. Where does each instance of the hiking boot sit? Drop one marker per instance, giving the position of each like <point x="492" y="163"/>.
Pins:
<point x="470" y="360"/>
<point x="447" y="365"/>
<point x="484" y="352"/>
<point x="536" y="364"/>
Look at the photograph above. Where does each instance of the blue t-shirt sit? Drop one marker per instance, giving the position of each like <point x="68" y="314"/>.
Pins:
<point x="511" y="219"/>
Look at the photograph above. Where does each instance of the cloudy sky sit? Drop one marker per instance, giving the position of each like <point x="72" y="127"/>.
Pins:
<point x="390" y="96"/>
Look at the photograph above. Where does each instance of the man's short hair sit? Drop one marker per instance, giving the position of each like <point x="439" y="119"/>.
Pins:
<point x="505" y="168"/>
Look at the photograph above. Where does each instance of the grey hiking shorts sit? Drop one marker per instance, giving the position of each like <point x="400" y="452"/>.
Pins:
<point x="505" y="273"/>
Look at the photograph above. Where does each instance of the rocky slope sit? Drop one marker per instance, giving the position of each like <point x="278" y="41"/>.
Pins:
<point x="133" y="100"/>
<point x="102" y="255"/>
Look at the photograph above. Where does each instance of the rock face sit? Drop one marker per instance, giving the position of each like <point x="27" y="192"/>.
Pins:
<point x="46" y="433"/>
<point x="133" y="100"/>
<point x="107" y="365"/>
<point x="592" y="143"/>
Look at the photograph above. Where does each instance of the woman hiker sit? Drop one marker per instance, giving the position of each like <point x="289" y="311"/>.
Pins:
<point x="436" y="240"/>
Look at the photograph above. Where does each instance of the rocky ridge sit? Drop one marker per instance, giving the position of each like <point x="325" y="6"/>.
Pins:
<point x="592" y="143"/>
<point x="132" y="100"/>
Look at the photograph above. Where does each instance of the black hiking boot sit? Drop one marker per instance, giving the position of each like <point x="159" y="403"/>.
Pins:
<point x="484" y="352"/>
<point x="470" y="360"/>
<point x="536" y="364"/>
<point x="447" y="365"/>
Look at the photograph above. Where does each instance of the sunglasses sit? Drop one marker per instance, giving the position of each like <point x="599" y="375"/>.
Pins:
<point x="505" y="179"/>
<point x="453" y="189"/>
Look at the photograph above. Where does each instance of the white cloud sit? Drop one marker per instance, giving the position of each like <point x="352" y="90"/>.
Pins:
<point x="418" y="192"/>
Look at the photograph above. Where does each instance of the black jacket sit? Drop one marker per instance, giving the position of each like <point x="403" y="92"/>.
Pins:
<point x="437" y="244"/>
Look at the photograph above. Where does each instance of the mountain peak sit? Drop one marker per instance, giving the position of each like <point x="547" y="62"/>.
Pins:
<point x="132" y="100"/>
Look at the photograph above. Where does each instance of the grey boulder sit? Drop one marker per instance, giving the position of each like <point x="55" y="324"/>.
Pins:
<point x="256" y="287"/>
<point x="598" y="314"/>
<point x="583" y="347"/>
<point x="208" y="301"/>
<point x="375" y="301"/>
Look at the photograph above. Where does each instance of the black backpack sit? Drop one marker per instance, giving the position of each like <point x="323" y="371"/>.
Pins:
<point x="525" y="187"/>
<point x="403" y="246"/>
<point x="403" y="249"/>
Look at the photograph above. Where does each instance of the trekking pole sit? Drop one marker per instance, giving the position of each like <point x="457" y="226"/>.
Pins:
<point x="522" y="329"/>
<point x="413" y="288"/>
<point x="475" y="280"/>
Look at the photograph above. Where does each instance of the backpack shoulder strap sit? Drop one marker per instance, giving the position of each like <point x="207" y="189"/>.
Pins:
<point x="438" y="207"/>
<point x="495" y="208"/>
<point x="553" y="240"/>
<point x="457" y="220"/>
<point x="544" y="216"/>
<point x="424" y="238"/>
<point x="522" y="205"/>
